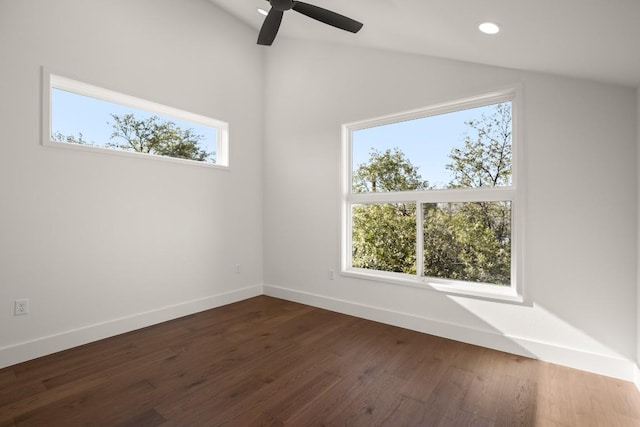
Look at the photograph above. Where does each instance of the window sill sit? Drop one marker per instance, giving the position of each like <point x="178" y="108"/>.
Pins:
<point x="115" y="152"/>
<point x="507" y="294"/>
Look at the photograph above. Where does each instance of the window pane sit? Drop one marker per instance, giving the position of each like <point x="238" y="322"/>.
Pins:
<point x="80" y="119"/>
<point x="384" y="237"/>
<point x="468" y="241"/>
<point x="468" y="148"/>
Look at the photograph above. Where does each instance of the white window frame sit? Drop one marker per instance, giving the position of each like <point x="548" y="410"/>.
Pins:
<point x="54" y="80"/>
<point x="513" y="193"/>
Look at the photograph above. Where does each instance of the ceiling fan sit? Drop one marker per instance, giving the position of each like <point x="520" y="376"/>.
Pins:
<point x="278" y="7"/>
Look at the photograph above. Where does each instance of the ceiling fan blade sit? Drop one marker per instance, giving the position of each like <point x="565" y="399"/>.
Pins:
<point x="327" y="16"/>
<point x="270" y="27"/>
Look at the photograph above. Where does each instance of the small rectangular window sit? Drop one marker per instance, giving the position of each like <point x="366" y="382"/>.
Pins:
<point x="430" y="198"/>
<point x="84" y="116"/>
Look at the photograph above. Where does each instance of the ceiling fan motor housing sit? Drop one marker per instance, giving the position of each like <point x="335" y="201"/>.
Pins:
<point x="281" y="4"/>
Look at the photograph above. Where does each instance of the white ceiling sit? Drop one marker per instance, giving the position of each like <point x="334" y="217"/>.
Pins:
<point x="592" y="39"/>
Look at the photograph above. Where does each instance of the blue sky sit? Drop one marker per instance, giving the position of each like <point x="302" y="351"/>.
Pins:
<point x="72" y="113"/>
<point x="427" y="142"/>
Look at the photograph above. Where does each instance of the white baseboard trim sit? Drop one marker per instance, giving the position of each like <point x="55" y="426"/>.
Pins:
<point x="43" y="346"/>
<point x="592" y="362"/>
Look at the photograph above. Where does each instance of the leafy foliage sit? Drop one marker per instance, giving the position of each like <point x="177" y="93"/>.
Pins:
<point x="388" y="171"/>
<point x="485" y="158"/>
<point x="154" y="136"/>
<point x="468" y="241"/>
<point x="151" y="135"/>
<point x="384" y="237"/>
<point x="71" y="139"/>
<point x="462" y="241"/>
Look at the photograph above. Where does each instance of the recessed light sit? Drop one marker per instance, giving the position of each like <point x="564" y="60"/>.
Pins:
<point x="489" y="28"/>
<point x="262" y="12"/>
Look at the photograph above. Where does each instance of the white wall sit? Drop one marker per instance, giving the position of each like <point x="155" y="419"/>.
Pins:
<point x="580" y="159"/>
<point x="101" y="244"/>
<point x="638" y="263"/>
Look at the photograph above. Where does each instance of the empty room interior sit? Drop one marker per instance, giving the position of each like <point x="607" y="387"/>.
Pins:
<point x="337" y="254"/>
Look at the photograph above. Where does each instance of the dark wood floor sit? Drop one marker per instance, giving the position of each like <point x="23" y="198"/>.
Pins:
<point x="266" y="361"/>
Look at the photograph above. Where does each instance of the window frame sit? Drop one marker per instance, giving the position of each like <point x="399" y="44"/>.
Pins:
<point x="513" y="193"/>
<point x="54" y="80"/>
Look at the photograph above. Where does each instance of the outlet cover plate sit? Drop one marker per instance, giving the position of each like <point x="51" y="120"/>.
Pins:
<point x="20" y="307"/>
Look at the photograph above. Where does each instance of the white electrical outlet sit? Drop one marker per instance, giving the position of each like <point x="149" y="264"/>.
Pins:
<point x="20" y="307"/>
<point x="332" y="275"/>
<point x="237" y="268"/>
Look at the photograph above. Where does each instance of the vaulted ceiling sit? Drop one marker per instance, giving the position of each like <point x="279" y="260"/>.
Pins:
<point x="592" y="39"/>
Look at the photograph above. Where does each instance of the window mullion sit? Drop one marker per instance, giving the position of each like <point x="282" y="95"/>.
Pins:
<point x="482" y="194"/>
<point x="419" y="240"/>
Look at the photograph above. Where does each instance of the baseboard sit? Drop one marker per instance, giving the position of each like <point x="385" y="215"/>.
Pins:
<point x="29" y="350"/>
<point x="592" y="362"/>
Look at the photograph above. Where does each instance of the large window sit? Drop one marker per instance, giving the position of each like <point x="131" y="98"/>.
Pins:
<point x="82" y="116"/>
<point x="430" y="198"/>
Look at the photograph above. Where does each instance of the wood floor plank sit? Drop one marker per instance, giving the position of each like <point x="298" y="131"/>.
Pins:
<point x="482" y="398"/>
<point x="18" y="391"/>
<point x="410" y="353"/>
<point x="87" y="392"/>
<point x="266" y="361"/>
<point x="444" y="403"/>
<point x="21" y="408"/>
<point x="298" y="399"/>
<point x="215" y="387"/>
<point x="518" y="402"/>
<point x="409" y="412"/>
<point x="368" y="403"/>
<point x="148" y="418"/>
<point x="427" y="376"/>
<point x="277" y="403"/>
<point x="97" y="406"/>
<point x="318" y="411"/>
<point x="556" y="396"/>
<point x="7" y="377"/>
<point x="465" y="418"/>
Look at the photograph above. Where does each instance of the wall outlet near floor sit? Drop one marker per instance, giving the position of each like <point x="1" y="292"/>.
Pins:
<point x="20" y="307"/>
<point x="237" y="269"/>
<point x="332" y="275"/>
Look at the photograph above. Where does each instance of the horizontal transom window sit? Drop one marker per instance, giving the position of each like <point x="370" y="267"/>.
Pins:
<point x="87" y="117"/>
